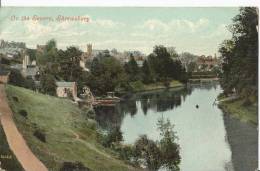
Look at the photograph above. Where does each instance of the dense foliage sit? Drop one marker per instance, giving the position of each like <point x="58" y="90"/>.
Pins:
<point x="149" y="153"/>
<point x="106" y="72"/>
<point x="164" y="67"/>
<point x="240" y="56"/>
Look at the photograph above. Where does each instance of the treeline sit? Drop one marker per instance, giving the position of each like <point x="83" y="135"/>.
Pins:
<point x="240" y="56"/>
<point x="106" y="72"/>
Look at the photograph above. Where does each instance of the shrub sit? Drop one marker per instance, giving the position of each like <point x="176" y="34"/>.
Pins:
<point x="15" y="99"/>
<point x="137" y="85"/>
<point x="40" y="135"/>
<point x="247" y="102"/>
<point x="17" y="79"/>
<point x="76" y="166"/>
<point x="5" y="61"/>
<point x="23" y="113"/>
<point x="166" y="84"/>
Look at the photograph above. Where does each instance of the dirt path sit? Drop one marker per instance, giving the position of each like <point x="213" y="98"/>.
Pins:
<point x="15" y="140"/>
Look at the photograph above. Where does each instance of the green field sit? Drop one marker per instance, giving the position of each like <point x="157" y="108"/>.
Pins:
<point x="238" y="110"/>
<point x="70" y="136"/>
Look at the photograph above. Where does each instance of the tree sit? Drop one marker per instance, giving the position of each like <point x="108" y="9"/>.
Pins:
<point x="47" y="83"/>
<point x="114" y="136"/>
<point x="147" y="150"/>
<point x="16" y="78"/>
<point x="240" y="55"/>
<point x="132" y="69"/>
<point x="188" y="61"/>
<point x="106" y="75"/>
<point x="164" y="67"/>
<point x="49" y="54"/>
<point x="147" y="73"/>
<point x="172" y="51"/>
<point x="169" y="148"/>
<point x="31" y="53"/>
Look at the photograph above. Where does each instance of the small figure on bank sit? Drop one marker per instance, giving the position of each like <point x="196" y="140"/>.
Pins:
<point x="197" y="106"/>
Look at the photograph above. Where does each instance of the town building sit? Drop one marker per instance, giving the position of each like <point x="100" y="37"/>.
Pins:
<point x="138" y="56"/>
<point x="65" y="89"/>
<point x="12" y="44"/>
<point x="207" y="63"/>
<point x="11" y="49"/>
<point x="28" y="68"/>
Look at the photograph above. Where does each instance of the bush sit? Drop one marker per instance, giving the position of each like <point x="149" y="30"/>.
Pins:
<point x="247" y="102"/>
<point x="76" y="166"/>
<point x="17" y="79"/>
<point x="15" y="99"/>
<point x="137" y="85"/>
<point x="114" y="136"/>
<point x="40" y="135"/>
<point x="23" y="113"/>
<point x="166" y="84"/>
<point x="91" y="114"/>
<point x="5" y="61"/>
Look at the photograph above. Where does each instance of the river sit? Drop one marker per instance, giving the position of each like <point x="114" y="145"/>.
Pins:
<point x="201" y="131"/>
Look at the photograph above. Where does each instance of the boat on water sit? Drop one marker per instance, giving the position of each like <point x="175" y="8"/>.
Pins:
<point x="109" y="100"/>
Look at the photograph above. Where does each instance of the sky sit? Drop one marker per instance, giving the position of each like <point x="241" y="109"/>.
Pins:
<point x="196" y="30"/>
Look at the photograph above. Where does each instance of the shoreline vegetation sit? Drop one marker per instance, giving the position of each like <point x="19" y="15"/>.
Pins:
<point x="138" y="86"/>
<point x="59" y="133"/>
<point x="237" y="109"/>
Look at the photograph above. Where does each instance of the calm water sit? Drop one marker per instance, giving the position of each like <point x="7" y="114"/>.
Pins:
<point x="201" y="132"/>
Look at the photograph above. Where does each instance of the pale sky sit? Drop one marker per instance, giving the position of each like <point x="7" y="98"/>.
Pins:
<point x="195" y="30"/>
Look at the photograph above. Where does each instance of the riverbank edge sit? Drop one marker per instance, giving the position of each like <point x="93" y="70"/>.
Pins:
<point x="225" y="106"/>
<point x="238" y="136"/>
<point x="243" y="143"/>
<point x="172" y="87"/>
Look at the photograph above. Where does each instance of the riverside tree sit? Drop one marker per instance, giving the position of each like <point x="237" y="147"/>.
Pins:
<point x="162" y="154"/>
<point x="240" y="56"/>
<point x="164" y="66"/>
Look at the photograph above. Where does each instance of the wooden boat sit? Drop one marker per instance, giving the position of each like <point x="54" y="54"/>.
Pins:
<point x="109" y="100"/>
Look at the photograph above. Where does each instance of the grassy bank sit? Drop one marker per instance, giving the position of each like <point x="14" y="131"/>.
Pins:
<point x="240" y="111"/>
<point x="70" y="136"/>
<point x="138" y="86"/>
<point x="8" y="160"/>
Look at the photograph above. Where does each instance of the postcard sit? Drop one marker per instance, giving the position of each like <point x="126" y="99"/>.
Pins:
<point x="129" y="88"/>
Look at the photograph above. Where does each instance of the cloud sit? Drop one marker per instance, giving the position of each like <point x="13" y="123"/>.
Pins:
<point x="190" y="25"/>
<point x="176" y="25"/>
<point x="154" y="24"/>
<point x="220" y="31"/>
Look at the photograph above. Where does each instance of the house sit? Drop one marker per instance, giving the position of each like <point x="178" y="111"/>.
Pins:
<point x="4" y="76"/>
<point x="207" y="63"/>
<point x="65" y="89"/>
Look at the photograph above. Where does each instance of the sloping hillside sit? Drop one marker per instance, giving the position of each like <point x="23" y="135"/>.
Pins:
<point x="69" y="135"/>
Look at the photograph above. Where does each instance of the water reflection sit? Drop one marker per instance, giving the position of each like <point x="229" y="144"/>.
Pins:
<point x="200" y="130"/>
<point x="157" y="101"/>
